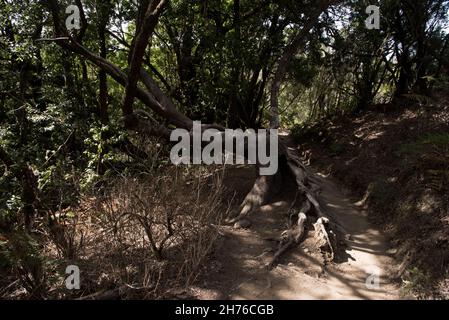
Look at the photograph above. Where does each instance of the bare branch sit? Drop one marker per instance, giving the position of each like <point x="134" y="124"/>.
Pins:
<point x="138" y="51"/>
<point x="295" y="45"/>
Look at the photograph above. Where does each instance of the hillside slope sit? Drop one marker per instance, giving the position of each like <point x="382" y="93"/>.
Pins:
<point x="396" y="166"/>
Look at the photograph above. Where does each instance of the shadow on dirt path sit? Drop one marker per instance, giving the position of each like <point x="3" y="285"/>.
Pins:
<point x="239" y="262"/>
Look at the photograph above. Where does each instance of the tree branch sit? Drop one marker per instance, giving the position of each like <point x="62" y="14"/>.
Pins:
<point x="138" y="51"/>
<point x="167" y="111"/>
<point x="295" y="45"/>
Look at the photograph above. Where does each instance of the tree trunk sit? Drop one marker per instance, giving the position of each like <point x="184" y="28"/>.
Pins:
<point x="295" y="45"/>
<point x="28" y="180"/>
<point x="103" y="97"/>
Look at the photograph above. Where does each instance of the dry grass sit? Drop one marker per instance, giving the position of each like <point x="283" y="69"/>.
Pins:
<point x="139" y="238"/>
<point x="153" y="233"/>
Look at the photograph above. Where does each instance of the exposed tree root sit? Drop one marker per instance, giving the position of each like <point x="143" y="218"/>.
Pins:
<point x="322" y="235"/>
<point x="257" y="197"/>
<point x="306" y="199"/>
<point x="294" y="235"/>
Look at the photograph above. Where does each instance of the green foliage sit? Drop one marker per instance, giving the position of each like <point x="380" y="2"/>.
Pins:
<point x="424" y="144"/>
<point x="416" y="283"/>
<point x="430" y="156"/>
<point x="314" y="133"/>
<point x="23" y="254"/>
<point x="383" y="193"/>
<point x="337" y="148"/>
<point x="438" y="139"/>
<point x="6" y="261"/>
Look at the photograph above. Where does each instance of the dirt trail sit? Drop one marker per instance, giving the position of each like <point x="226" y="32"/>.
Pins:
<point x="239" y="264"/>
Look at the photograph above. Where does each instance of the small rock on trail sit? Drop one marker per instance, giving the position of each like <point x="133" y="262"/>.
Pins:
<point x="242" y="224"/>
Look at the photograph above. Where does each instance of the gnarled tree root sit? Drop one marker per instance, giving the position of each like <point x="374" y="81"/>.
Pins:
<point x="294" y="235"/>
<point x="307" y="190"/>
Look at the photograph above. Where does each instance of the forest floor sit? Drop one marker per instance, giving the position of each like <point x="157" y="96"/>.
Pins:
<point x="238" y="267"/>
<point x="385" y="178"/>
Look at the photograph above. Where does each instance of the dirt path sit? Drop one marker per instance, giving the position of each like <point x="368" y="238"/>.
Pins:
<point x="239" y="264"/>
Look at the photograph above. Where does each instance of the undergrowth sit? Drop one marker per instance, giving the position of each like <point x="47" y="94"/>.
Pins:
<point x="144" y="233"/>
